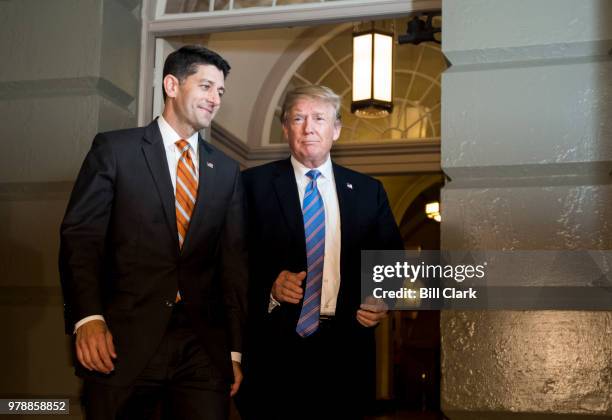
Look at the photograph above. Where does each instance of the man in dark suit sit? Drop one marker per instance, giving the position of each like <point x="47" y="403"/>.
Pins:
<point x="311" y="352"/>
<point x="153" y="258"/>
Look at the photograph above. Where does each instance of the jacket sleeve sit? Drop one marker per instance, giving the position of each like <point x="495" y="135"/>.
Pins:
<point x="233" y="259"/>
<point x="83" y="234"/>
<point x="388" y="234"/>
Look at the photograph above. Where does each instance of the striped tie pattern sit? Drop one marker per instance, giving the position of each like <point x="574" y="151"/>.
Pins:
<point x="186" y="190"/>
<point x="314" y="228"/>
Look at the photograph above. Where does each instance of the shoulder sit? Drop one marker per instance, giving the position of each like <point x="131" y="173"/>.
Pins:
<point x="220" y="157"/>
<point x="266" y="171"/>
<point x="119" y="140"/>
<point x="125" y="134"/>
<point x="343" y="173"/>
<point x="111" y="144"/>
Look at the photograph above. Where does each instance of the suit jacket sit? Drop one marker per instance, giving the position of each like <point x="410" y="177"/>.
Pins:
<point x="277" y="242"/>
<point x="120" y="256"/>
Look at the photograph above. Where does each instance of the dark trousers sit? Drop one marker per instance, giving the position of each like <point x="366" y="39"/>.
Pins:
<point x="175" y="385"/>
<point x="323" y="377"/>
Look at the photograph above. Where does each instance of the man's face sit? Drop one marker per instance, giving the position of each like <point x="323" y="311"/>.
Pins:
<point x="311" y="128"/>
<point x="198" y="97"/>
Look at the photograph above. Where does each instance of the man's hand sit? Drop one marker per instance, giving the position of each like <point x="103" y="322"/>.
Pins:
<point x="372" y="312"/>
<point x="94" y="346"/>
<point x="288" y="287"/>
<point x="237" y="378"/>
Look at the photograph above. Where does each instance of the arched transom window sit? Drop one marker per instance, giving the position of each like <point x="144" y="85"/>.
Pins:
<point x="416" y="93"/>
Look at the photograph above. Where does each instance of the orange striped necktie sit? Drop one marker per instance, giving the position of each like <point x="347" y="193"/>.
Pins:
<point x="186" y="189"/>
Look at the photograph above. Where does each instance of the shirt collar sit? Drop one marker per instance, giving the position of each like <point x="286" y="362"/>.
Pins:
<point x="170" y="136"/>
<point x="300" y="170"/>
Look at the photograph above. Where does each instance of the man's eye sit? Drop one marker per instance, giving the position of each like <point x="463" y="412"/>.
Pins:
<point x="221" y="93"/>
<point x="205" y="86"/>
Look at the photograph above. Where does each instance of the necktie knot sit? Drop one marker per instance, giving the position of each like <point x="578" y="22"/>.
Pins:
<point x="313" y="174"/>
<point x="183" y="145"/>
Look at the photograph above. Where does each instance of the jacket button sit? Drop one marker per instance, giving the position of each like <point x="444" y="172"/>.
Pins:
<point x="169" y="304"/>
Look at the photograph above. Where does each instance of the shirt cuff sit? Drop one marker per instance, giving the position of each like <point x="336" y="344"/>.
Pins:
<point x="86" y="320"/>
<point x="273" y="303"/>
<point x="236" y="357"/>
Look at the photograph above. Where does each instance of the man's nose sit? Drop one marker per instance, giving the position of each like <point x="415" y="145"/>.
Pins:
<point x="308" y="126"/>
<point x="214" y="97"/>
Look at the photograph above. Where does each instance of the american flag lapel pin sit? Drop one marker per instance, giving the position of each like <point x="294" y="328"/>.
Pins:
<point x="210" y="165"/>
<point x="349" y="185"/>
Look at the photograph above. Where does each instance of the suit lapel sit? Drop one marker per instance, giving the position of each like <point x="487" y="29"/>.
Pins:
<point x="347" y="191"/>
<point x="288" y="198"/>
<point x="347" y="201"/>
<point x="206" y="181"/>
<point x="155" y="155"/>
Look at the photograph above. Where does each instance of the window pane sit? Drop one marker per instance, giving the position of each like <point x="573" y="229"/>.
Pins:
<point x="187" y="6"/>
<point x="221" y="5"/>
<point x="241" y="4"/>
<point x="284" y="2"/>
<point x="190" y="6"/>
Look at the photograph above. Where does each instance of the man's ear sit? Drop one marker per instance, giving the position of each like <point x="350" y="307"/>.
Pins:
<point x="171" y="84"/>
<point x="285" y="132"/>
<point x="337" y="129"/>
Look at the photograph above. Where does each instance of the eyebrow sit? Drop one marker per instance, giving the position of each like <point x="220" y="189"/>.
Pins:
<point x="211" y="82"/>
<point x="304" y="114"/>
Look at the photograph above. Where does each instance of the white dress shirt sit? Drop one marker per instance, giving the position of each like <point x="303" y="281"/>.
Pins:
<point x="173" y="154"/>
<point x="331" y="261"/>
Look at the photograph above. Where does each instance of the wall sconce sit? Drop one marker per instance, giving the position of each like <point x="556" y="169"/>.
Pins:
<point x="372" y="73"/>
<point x="432" y="210"/>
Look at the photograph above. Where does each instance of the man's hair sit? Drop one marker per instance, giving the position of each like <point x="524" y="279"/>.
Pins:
<point x="184" y="62"/>
<point x="322" y="93"/>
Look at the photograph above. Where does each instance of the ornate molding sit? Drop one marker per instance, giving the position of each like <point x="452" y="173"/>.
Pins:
<point x="301" y="14"/>
<point x="74" y="86"/>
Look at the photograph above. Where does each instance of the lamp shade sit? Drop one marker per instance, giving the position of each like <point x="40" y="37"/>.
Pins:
<point x="372" y="74"/>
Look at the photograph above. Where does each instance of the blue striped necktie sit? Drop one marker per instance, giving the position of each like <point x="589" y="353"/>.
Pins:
<point x="314" y="228"/>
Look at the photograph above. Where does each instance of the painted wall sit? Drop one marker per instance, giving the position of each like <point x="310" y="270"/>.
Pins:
<point x="70" y="69"/>
<point x="527" y="141"/>
<point x="252" y="55"/>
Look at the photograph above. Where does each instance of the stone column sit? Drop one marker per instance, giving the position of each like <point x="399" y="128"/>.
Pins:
<point x="69" y="69"/>
<point x="527" y="143"/>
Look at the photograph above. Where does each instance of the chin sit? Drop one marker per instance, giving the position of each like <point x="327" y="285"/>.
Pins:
<point x="203" y="124"/>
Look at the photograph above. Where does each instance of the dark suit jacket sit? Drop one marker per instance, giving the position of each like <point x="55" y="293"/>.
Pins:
<point x="276" y="243"/>
<point x="120" y="255"/>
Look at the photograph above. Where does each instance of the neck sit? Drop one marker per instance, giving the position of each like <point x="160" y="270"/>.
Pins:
<point x="311" y="164"/>
<point x="182" y="128"/>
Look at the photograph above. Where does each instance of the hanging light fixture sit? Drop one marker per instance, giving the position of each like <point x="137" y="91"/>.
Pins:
<point x="372" y="73"/>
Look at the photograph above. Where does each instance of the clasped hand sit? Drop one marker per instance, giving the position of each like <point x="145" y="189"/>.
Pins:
<point x="287" y="288"/>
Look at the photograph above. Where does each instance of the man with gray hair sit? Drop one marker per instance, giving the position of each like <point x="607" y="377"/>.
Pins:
<point x="311" y="351"/>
